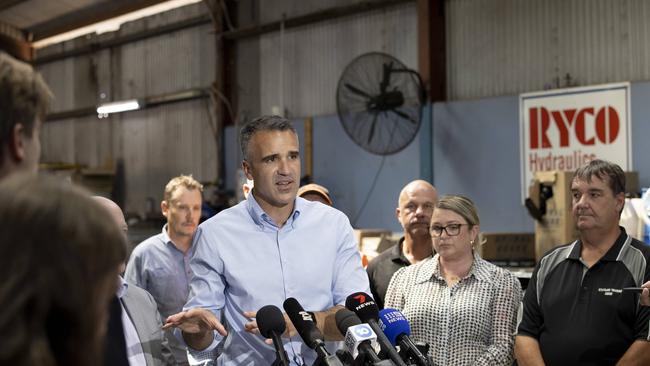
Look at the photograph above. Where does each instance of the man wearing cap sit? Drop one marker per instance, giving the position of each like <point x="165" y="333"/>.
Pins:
<point x="414" y="209"/>
<point x="315" y="193"/>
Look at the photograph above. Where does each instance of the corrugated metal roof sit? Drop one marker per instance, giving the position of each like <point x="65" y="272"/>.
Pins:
<point x="28" y="13"/>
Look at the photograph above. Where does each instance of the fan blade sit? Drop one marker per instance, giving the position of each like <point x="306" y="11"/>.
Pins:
<point x="404" y="115"/>
<point x="372" y="127"/>
<point x="357" y="91"/>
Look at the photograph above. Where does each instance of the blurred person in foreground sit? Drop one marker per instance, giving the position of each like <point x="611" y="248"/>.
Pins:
<point x="462" y="306"/>
<point x="141" y="332"/>
<point x="60" y="256"/>
<point x="24" y="99"/>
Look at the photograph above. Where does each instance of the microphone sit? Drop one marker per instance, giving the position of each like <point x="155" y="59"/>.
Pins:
<point x="270" y="322"/>
<point x="345" y="357"/>
<point x="360" y="340"/>
<point x="366" y="309"/>
<point x="397" y="330"/>
<point x="306" y="326"/>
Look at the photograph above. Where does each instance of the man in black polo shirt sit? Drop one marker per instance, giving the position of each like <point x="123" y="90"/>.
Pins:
<point x="575" y="312"/>
<point x="414" y="209"/>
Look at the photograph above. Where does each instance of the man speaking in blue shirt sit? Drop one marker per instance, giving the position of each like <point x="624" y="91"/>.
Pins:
<point x="264" y="250"/>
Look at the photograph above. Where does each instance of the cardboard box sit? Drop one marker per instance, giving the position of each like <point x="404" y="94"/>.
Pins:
<point x="372" y="241"/>
<point x="556" y="227"/>
<point x="632" y="186"/>
<point x="509" y="249"/>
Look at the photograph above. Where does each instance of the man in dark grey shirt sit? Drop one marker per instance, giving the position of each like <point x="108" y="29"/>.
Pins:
<point x="414" y="209"/>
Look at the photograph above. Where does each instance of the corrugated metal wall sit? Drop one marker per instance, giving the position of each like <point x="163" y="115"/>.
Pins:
<point x="155" y="143"/>
<point x="501" y="47"/>
<point x="313" y="57"/>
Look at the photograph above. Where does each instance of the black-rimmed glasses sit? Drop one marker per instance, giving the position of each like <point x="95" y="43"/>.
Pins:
<point x="451" y="229"/>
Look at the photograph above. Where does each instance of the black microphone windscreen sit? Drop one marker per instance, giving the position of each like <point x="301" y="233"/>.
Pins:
<point x="292" y="306"/>
<point x="363" y="305"/>
<point x="270" y="319"/>
<point x="345" y="319"/>
<point x="303" y="321"/>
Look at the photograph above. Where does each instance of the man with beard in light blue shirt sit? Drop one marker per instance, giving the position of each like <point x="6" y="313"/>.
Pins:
<point x="264" y="250"/>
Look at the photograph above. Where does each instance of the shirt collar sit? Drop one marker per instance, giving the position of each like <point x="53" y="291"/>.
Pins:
<point x="396" y="253"/>
<point x="261" y="218"/>
<point x="612" y="253"/>
<point x="431" y="269"/>
<point x="168" y="241"/>
<point x="165" y="235"/>
<point x="122" y="287"/>
<point x="480" y="269"/>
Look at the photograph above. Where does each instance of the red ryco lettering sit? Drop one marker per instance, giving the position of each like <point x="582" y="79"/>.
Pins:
<point x="607" y="126"/>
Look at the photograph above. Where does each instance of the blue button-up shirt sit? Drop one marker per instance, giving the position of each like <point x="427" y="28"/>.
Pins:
<point x="157" y="266"/>
<point x="243" y="261"/>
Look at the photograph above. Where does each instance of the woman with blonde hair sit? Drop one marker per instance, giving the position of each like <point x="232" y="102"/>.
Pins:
<point x="462" y="306"/>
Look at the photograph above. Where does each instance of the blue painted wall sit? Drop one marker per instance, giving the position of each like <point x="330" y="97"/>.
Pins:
<point x="475" y="151"/>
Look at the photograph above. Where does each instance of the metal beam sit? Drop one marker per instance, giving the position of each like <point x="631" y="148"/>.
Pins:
<point x="12" y="41"/>
<point x="86" y="16"/>
<point x="118" y="41"/>
<point x="431" y="48"/>
<point x="6" y="4"/>
<point x="246" y="32"/>
<point x="148" y="102"/>
<point x="319" y="16"/>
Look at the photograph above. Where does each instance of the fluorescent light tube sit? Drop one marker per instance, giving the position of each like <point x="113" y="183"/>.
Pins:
<point x="116" y="107"/>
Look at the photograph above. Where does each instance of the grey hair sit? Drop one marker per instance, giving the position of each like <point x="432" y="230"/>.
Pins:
<point x="263" y="123"/>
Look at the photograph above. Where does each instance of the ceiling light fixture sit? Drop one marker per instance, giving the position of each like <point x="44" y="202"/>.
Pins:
<point x="103" y="110"/>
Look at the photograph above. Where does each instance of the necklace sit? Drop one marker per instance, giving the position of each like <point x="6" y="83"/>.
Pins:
<point x="453" y="279"/>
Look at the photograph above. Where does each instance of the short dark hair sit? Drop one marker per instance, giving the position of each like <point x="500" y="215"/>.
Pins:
<point x="60" y="250"/>
<point x="263" y="123"/>
<point x="24" y="97"/>
<point x="605" y="171"/>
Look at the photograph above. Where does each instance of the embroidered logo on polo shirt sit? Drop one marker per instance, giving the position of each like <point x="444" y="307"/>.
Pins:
<point x="610" y="291"/>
